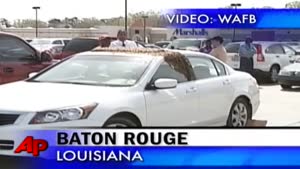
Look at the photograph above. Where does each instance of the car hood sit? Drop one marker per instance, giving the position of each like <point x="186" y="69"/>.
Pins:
<point x="292" y="67"/>
<point x="36" y="96"/>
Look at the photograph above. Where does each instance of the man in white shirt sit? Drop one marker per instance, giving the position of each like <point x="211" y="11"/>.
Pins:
<point x="122" y="41"/>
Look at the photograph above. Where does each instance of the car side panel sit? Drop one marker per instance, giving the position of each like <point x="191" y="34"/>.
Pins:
<point x="245" y="85"/>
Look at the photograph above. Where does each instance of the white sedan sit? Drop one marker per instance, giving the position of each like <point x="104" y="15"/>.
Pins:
<point x="131" y="88"/>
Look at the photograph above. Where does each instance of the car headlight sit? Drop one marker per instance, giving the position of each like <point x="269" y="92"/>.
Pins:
<point x="285" y="73"/>
<point x="64" y="114"/>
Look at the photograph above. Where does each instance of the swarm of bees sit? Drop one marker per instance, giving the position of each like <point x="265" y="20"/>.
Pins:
<point x="174" y="59"/>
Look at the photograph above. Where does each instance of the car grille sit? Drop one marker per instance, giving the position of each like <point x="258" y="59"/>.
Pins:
<point x="6" y="144"/>
<point x="6" y="119"/>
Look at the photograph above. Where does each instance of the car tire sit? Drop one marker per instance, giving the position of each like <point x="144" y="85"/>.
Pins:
<point x="274" y="71"/>
<point x="240" y="113"/>
<point x="286" y="86"/>
<point x="120" y="122"/>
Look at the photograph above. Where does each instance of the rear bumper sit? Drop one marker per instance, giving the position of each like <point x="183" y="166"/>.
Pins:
<point x="260" y="73"/>
<point x="289" y="80"/>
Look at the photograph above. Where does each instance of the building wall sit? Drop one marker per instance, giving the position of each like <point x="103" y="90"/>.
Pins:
<point x="63" y="32"/>
<point x="153" y="34"/>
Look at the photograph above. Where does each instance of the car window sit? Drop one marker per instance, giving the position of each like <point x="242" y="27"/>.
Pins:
<point x="13" y="49"/>
<point x="275" y="49"/>
<point x="203" y="68"/>
<point x="57" y="42"/>
<point x="220" y="68"/>
<point x="288" y="50"/>
<point x="81" y="45"/>
<point x="183" y="43"/>
<point x="167" y="71"/>
<point x="66" y="42"/>
<point x="232" y="48"/>
<point x="108" y="70"/>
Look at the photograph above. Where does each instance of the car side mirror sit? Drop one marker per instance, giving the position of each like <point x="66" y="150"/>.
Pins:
<point x="46" y="57"/>
<point x="165" y="83"/>
<point x="32" y="74"/>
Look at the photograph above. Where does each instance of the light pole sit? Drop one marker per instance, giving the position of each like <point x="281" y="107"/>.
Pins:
<point x="235" y="5"/>
<point x="145" y="17"/>
<point x="36" y="8"/>
<point x="125" y="16"/>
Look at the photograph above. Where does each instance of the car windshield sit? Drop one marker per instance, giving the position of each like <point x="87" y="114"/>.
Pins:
<point x="183" y="43"/>
<point x="81" y="45"/>
<point x="101" y="70"/>
<point x="40" y="42"/>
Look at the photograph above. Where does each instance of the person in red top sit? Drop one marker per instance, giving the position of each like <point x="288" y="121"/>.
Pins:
<point x="207" y="48"/>
<point x="105" y="41"/>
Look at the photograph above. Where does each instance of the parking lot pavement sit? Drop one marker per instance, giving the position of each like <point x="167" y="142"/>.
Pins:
<point x="279" y="107"/>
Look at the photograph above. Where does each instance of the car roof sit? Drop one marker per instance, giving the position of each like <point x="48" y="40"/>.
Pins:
<point x="191" y="39"/>
<point x="10" y="34"/>
<point x="263" y="43"/>
<point x="147" y="52"/>
<point x="94" y="38"/>
<point x="260" y="42"/>
<point x="163" y="42"/>
<point x="51" y="39"/>
<point x="188" y="52"/>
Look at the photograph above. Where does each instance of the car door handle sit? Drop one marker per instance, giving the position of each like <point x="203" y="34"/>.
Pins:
<point x="191" y="90"/>
<point x="226" y="82"/>
<point x="278" y="56"/>
<point x="8" y="70"/>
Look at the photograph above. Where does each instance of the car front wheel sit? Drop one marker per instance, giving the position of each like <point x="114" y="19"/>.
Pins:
<point x="240" y="113"/>
<point x="120" y="122"/>
<point x="286" y="86"/>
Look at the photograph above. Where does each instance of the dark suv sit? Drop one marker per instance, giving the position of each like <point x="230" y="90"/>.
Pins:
<point x="83" y="44"/>
<point x="18" y="59"/>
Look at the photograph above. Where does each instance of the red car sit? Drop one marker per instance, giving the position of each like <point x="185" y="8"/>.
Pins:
<point x="18" y="59"/>
<point x="78" y="45"/>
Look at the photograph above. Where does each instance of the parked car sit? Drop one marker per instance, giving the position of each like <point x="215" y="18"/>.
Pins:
<point x="152" y="46"/>
<point x="269" y="59"/>
<point x="18" y="59"/>
<point x="123" y="88"/>
<point x="77" y="45"/>
<point x="183" y="44"/>
<point x="289" y="76"/>
<point x="162" y="44"/>
<point x="294" y="45"/>
<point x="140" y="44"/>
<point x="83" y="44"/>
<point x="28" y="40"/>
<point x="53" y="45"/>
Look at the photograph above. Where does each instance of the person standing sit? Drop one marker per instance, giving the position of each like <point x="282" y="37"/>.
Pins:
<point x="246" y="53"/>
<point x="207" y="48"/>
<point x="122" y="41"/>
<point x="218" y="50"/>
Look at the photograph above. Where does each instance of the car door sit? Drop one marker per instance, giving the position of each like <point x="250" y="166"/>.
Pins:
<point x="232" y="50"/>
<point x="215" y="91"/>
<point x="290" y="55"/>
<point x="175" y="106"/>
<point x="18" y="59"/>
<point x="274" y="54"/>
<point x="1" y="73"/>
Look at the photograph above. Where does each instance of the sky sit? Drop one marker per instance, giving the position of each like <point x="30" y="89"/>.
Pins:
<point x="22" y="9"/>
